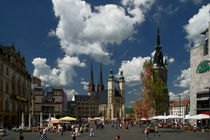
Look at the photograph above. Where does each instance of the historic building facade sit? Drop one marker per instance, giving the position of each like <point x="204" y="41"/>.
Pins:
<point x="46" y="102"/>
<point x="160" y="65"/>
<point x="200" y="77"/>
<point x="179" y="108"/>
<point x="15" y="87"/>
<point x="109" y="103"/>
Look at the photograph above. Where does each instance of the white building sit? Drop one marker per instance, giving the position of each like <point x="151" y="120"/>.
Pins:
<point x="179" y="108"/>
<point x="200" y="77"/>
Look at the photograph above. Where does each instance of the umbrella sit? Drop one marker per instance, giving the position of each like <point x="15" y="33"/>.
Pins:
<point x="200" y="117"/>
<point x="48" y="119"/>
<point x="55" y="121"/>
<point x="67" y="119"/>
<point x="160" y="117"/>
<point x="174" y="117"/>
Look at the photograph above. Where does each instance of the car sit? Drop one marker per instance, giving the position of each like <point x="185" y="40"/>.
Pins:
<point x="3" y="132"/>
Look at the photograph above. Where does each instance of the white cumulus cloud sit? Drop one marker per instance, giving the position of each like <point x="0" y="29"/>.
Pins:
<point x="184" y="95"/>
<point x="84" y="83"/>
<point x="70" y="93"/>
<point x="62" y="75"/>
<point x="83" y="29"/>
<point x="171" y="60"/>
<point x="132" y="69"/>
<point x="183" y="80"/>
<point x="197" y="24"/>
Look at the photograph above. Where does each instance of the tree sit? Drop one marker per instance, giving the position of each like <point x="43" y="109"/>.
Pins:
<point x="154" y="100"/>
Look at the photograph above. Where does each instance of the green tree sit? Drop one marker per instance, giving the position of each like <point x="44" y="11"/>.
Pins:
<point x="154" y="91"/>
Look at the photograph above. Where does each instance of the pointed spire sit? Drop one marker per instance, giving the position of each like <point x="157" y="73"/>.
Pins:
<point x="158" y="46"/>
<point x="91" y="75"/>
<point x="100" y="76"/>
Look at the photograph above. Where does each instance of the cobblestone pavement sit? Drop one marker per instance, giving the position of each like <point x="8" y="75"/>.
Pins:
<point x="109" y="134"/>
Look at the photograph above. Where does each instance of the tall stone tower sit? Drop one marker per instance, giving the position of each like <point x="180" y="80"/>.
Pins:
<point x="160" y="65"/>
<point x="100" y="86"/>
<point x="111" y="91"/>
<point x="91" y="85"/>
<point x="122" y="93"/>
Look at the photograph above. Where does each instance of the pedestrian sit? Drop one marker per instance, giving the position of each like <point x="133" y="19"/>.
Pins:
<point x="195" y="129"/>
<point x="156" y="131"/>
<point x="21" y="135"/>
<point x="146" y="133"/>
<point x="40" y="132"/>
<point x="73" y="134"/>
<point x="91" y="132"/>
<point x="117" y="137"/>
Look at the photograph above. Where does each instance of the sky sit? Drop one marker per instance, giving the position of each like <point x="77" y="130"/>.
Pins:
<point x="60" y="38"/>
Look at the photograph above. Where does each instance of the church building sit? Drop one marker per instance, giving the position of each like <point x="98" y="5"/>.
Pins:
<point x="160" y="66"/>
<point x="109" y="102"/>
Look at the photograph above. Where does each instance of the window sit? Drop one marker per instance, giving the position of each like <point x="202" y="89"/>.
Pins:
<point x="1" y="85"/>
<point x="1" y="67"/>
<point x="7" y="71"/>
<point x="7" y="87"/>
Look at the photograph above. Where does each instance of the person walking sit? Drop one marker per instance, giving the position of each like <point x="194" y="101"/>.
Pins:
<point x="73" y="134"/>
<point x="156" y="131"/>
<point x="91" y="132"/>
<point x="146" y="132"/>
<point x="21" y="135"/>
<point x="195" y="129"/>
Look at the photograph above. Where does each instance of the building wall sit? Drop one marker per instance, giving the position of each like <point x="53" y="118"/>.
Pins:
<point x="15" y="88"/>
<point x="198" y="81"/>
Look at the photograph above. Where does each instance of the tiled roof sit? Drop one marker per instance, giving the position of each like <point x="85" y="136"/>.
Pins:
<point x="183" y="103"/>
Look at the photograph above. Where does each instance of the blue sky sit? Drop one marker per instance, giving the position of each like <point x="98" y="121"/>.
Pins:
<point x="59" y="39"/>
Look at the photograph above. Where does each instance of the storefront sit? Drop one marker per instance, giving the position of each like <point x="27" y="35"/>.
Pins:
<point x="200" y="78"/>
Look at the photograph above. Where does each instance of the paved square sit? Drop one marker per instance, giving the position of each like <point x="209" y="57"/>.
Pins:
<point x="109" y="134"/>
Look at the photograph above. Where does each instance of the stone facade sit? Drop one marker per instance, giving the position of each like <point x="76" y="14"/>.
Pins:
<point x="200" y="76"/>
<point x="15" y="87"/>
<point x="109" y="103"/>
<point x="47" y="102"/>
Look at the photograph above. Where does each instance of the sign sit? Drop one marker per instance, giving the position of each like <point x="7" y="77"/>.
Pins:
<point x="20" y="98"/>
<point x="204" y="66"/>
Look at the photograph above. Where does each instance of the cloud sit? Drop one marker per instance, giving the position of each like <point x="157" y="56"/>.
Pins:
<point x="171" y="60"/>
<point x="184" y="95"/>
<point x="194" y="1"/>
<point x="62" y="75"/>
<point x="70" y="93"/>
<point x="183" y="80"/>
<point x="134" y="91"/>
<point x="197" y="24"/>
<point x="160" y="10"/>
<point x="132" y="69"/>
<point x="84" y="83"/>
<point x="86" y="29"/>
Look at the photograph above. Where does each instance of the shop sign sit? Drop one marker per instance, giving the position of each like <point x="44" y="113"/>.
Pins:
<point x="20" y="98"/>
<point x="204" y="66"/>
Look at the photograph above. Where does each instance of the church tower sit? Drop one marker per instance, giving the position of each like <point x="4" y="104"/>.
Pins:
<point x="91" y="85"/>
<point x="160" y="65"/>
<point x="111" y="91"/>
<point x="122" y="93"/>
<point x="100" y="86"/>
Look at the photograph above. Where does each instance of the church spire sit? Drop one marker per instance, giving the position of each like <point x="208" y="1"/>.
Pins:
<point x="100" y="83"/>
<point x="158" y="57"/>
<point x="100" y="75"/>
<point x="91" y="86"/>
<point x="158" y="46"/>
<point x="91" y="75"/>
